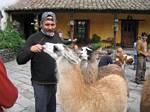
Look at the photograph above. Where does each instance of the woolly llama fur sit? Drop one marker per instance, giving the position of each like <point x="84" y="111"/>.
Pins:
<point x="89" y="69"/>
<point x="145" y="99"/>
<point x="110" y="69"/>
<point x="106" y="95"/>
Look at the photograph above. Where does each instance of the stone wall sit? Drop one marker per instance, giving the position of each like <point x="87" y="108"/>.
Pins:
<point x="7" y="55"/>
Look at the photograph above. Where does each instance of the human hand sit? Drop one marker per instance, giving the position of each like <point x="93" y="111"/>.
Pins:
<point x="74" y="40"/>
<point x="36" y="48"/>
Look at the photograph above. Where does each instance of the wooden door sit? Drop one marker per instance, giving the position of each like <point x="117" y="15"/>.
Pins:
<point x="129" y="31"/>
<point x="81" y="31"/>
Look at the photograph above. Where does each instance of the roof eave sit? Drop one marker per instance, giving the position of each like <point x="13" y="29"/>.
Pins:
<point x="145" y="11"/>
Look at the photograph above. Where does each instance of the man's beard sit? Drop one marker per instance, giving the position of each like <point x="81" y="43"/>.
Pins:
<point x="48" y="32"/>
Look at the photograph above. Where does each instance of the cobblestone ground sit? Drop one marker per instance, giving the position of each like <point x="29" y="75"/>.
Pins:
<point x="20" y="76"/>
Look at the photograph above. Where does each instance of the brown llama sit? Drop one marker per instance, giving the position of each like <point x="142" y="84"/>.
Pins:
<point x="106" y="95"/>
<point x="145" y="99"/>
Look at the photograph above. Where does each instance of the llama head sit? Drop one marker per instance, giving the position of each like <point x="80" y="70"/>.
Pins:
<point x="85" y="53"/>
<point x="59" y="50"/>
<point x="49" y="49"/>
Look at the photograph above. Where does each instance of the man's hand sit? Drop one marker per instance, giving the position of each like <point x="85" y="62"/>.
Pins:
<point x="74" y="40"/>
<point x="36" y="48"/>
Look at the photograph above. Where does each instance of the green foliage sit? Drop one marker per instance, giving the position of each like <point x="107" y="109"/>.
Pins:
<point x="96" y="45"/>
<point x="95" y="38"/>
<point x="10" y="39"/>
<point x="96" y="41"/>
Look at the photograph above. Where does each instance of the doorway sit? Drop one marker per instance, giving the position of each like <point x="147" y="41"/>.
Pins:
<point x="81" y="31"/>
<point x="129" y="32"/>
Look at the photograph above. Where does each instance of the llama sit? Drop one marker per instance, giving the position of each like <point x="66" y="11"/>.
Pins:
<point x="90" y="69"/>
<point x="145" y="99"/>
<point x="89" y="65"/>
<point x="106" y="95"/>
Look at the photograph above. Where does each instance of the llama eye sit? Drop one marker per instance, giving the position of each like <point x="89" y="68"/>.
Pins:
<point x="55" y="49"/>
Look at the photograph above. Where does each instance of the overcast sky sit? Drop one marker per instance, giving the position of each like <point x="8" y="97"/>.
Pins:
<point x="6" y="3"/>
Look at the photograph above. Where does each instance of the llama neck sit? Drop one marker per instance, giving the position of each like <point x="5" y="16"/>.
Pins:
<point x="70" y="80"/>
<point x="93" y="69"/>
<point x="89" y="70"/>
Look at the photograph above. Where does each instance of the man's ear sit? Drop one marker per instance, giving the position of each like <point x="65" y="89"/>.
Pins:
<point x="41" y="24"/>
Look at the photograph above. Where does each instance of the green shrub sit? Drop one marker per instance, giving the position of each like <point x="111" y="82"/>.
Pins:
<point x="95" y="38"/>
<point x="11" y="39"/>
<point x="96" y="45"/>
<point x="96" y="41"/>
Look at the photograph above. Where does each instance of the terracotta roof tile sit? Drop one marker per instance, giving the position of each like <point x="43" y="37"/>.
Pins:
<point x="81" y="4"/>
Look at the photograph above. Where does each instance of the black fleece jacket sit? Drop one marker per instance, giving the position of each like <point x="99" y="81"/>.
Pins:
<point x="43" y="67"/>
